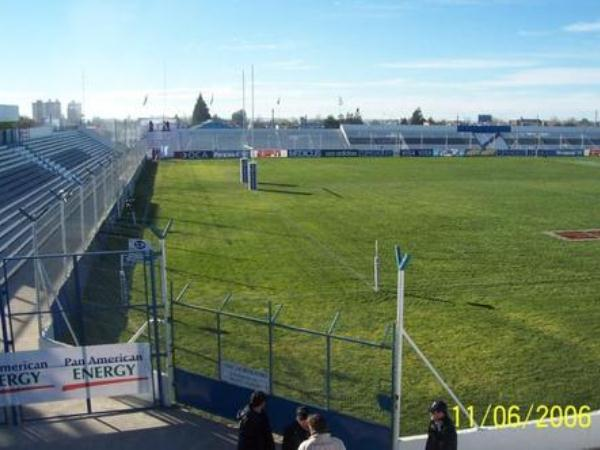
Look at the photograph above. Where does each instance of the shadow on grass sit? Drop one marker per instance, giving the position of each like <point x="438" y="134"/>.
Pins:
<point x="105" y="318"/>
<point x="335" y="194"/>
<point x="278" y="184"/>
<point x="281" y="191"/>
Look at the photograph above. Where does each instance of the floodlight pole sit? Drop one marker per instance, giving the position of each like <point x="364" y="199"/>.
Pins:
<point x="401" y="263"/>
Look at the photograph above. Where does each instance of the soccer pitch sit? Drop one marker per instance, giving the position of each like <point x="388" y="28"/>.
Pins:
<point x="508" y="314"/>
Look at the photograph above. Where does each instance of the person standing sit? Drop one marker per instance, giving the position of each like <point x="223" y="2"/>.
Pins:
<point x="442" y="432"/>
<point x="297" y="431"/>
<point x="255" y="429"/>
<point x="320" y="438"/>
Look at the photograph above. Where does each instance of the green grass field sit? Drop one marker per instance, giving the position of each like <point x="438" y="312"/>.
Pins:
<point x="508" y="314"/>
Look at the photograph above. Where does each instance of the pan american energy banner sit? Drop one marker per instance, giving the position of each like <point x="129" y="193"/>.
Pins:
<point x="74" y="372"/>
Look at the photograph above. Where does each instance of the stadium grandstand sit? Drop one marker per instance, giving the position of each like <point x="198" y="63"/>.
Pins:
<point x="380" y="140"/>
<point x="76" y="168"/>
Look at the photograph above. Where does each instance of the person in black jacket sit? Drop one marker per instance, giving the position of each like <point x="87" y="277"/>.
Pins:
<point x="442" y="433"/>
<point x="255" y="429"/>
<point x="297" y="432"/>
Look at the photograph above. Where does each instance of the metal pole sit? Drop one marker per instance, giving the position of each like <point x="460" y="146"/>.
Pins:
<point x="219" y="350"/>
<point x="328" y="360"/>
<point x="219" y="344"/>
<point x="4" y="299"/>
<point x="82" y="216"/>
<point x="154" y="307"/>
<point x="167" y="318"/>
<point x="82" y="334"/>
<point x="63" y="225"/>
<point x="398" y="358"/>
<point x="270" y="348"/>
<point x="36" y="277"/>
<point x="376" y="264"/>
<point x="252" y="130"/>
<point x="95" y="199"/>
<point x="401" y="263"/>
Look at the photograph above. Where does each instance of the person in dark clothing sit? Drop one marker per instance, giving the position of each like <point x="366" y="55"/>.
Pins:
<point x="255" y="429"/>
<point x="442" y="433"/>
<point x="297" y="432"/>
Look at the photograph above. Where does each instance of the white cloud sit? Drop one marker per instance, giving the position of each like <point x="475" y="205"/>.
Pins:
<point x="551" y="76"/>
<point x="583" y="27"/>
<point x="459" y="64"/>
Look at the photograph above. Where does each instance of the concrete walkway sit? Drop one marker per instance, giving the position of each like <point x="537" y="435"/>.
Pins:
<point x="149" y="430"/>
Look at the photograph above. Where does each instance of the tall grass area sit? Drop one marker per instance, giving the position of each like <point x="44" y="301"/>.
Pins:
<point x="507" y="314"/>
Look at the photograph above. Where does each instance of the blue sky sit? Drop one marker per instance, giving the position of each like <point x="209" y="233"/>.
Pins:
<point x="506" y="57"/>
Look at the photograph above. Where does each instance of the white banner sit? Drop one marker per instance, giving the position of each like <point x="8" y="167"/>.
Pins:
<point x="74" y="372"/>
<point x="244" y="376"/>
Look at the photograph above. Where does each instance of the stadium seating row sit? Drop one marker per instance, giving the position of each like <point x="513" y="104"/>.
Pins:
<point x="34" y="173"/>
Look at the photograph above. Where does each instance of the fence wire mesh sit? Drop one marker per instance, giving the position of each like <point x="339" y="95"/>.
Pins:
<point x="312" y="367"/>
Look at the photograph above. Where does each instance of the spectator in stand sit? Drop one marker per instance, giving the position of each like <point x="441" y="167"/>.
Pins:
<point x="255" y="429"/>
<point x="150" y="126"/>
<point x="442" y="433"/>
<point x="320" y="438"/>
<point x="297" y="431"/>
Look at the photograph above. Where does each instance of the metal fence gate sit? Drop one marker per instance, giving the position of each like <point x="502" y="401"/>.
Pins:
<point x="84" y="299"/>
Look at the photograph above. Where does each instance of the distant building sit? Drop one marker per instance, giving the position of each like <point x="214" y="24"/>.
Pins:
<point x="484" y="118"/>
<point x="9" y="113"/>
<point x="46" y="112"/>
<point x="74" y="114"/>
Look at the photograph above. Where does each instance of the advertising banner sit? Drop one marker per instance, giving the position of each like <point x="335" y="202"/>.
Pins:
<point x="194" y="154"/>
<point x="62" y="373"/>
<point x="304" y="153"/>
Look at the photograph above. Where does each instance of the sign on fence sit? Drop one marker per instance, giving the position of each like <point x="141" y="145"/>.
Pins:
<point x="138" y="249"/>
<point x="244" y="376"/>
<point x="74" y="372"/>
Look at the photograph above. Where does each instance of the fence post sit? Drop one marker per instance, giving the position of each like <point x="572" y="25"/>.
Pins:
<point x="80" y="313"/>
<point x="162" y="235"/>
<point x="82" y="216"/>
<point x="4" y="300"/>
<point x="150" y="255"/>
<point x="376" y="265"/>
<point x="272" y="318"/>
<point x="328" y="359"/>
<point x="270" y="348"/>
<point x="36" y="265"/>
<point x="401" y="263"/>
<point x="219" y="345"/>
<point x="94" y="195"/>
<point x="63" y="226"/>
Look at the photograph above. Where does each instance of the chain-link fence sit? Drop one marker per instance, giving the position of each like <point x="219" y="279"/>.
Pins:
<point x="70" y="223"/>
<point x="319" y="368"/>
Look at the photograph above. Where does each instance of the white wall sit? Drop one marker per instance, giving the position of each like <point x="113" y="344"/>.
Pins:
<point x="529" y="438"/>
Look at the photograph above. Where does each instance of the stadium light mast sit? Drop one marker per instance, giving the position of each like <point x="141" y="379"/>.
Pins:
<point x="244" y="107"/>
<point x="252" y="95"/>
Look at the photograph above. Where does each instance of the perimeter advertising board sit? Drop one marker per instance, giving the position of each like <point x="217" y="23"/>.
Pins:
<point x="75" y="372"/>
